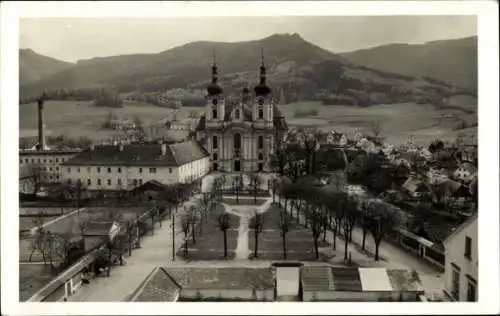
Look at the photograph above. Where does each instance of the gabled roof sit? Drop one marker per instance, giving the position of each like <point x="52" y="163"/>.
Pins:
<point x="464" y="225"/>
<point x="469" y="167"/>
<point x="176" y="154"/>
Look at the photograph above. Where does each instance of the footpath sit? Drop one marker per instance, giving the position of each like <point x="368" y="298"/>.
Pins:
<point x="156" y="250"/>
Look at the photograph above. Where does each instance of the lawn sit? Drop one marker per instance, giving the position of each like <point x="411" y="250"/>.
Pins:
<point x="423" y="122"/>
<point x="210" y="245"/>
<point x="32" y="277"/>
<point x="300" y="243"/>
<point x="76" y="119"/>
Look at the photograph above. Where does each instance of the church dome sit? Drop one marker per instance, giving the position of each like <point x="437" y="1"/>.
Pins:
<point x="214" y="89"/>
<point x="262" y="90"/>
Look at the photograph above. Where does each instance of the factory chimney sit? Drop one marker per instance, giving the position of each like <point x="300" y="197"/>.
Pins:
<point x="41" y="136"/>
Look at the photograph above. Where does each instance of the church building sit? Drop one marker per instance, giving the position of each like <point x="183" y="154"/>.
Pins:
<point x="241" y="137"/>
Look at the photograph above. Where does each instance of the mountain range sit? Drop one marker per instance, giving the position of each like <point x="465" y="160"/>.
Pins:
<point x="453" y="61"/>
<point x="300" y="69"/>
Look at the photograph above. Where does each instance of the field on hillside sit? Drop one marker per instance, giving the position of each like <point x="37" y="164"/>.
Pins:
<point x="398" y="122"/>
<point x="76" y="119"/>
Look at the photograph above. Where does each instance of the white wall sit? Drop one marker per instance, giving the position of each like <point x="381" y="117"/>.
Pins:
<point x="454" y="254"/>
<point x="127" y="174"/>
<point x="50" y="163"/>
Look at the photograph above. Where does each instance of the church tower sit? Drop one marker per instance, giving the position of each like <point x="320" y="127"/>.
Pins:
<point x="215" y="101"/>
<point x="263" y="105"/>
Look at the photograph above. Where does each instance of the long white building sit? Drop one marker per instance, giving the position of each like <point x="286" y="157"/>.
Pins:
<point x="125" y="167"/>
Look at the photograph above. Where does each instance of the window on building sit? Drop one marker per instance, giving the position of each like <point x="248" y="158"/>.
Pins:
<point x="20" y="161"/>
<point x="140" y="181"/>
<point x="237" y="141"/>
<point x="57" y="159"/>
<point x="214" y="142"/>
<point x="57" y="168"/>
<point x="169" y="170"/>
<point x="62" y="159"/>
<point x="45" y="161"/>
<point x="98" y="169"/>
<point x="261" y="157"/>
<point x="50" y="160"/>
<point x="89" y="182"/>
<point x="57" y="177"/>
<point x="69" y="169"/>
<point x="78" y="169"/>
<point x="89" y="169"/>
<point x="32" y="160"/>
<point x="50" y="169"/>
<point x="109" y="181"/>
<point x="471" y="291"/>
<point x="152" y="170"/>
<point x="109" y="170"/>
<point x="261" y="142"/>
<point x="119" y="181"/>
<point x="69" y="181"/>
<point x="119" y="170"/>
<point x="140" y="170"/>
<point x="215" y="156"/>
<point x="455" y="284"/>
<point x="468" y="248"/>
<point x="135" y="182"/>
<point x="237" y="114"/>
<point x="261" y="113"/>
<point x="98" y="181"/>
<point x="214" y="113"/>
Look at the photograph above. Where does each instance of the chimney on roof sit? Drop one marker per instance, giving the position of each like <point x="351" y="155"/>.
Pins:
<point x="163" y="149"/>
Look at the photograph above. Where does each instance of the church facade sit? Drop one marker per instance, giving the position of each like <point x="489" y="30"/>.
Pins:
<point x="242" y="136"/>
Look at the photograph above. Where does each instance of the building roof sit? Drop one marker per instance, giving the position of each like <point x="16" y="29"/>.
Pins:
<point x="464" y="225"/>
<point x="157" y="287"/>
<point x="278" y="118"/>
<point x="49" y="152"/>
<point x="223" y="278"/>
<point x="175" y="155"/>
<point x="469" y="167"/>
<point x="413" y="184"/>
<point x="324" y="278"/>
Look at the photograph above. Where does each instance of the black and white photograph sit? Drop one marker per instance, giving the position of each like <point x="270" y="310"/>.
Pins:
<point x="250" y="158"/>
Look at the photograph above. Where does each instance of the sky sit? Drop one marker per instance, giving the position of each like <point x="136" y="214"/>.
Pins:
<point x="72" y="39"/>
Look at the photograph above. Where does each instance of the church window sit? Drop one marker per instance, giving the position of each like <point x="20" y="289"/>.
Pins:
<point x="214" y="113"/>
<point x="237" y="114"/>
<point x="261" y="157"/>
<point x="261" y="113"/>
<point x="214" y="102"/>
<point x="215" y="156"/>
<point x="237" y="141"/>
<point x="261" y="142"/>
<point x="214" y="142"/>
<point x="261" y="101"/>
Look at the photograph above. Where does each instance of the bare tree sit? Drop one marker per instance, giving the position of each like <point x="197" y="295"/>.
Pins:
<point x="284" y="226"/>
<point x="255" y="182"/>
<point x="257" y="224"/>
<point x="185" y="224"/>
<point x="223" y="222"/>
<point x="382" y="219"/>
